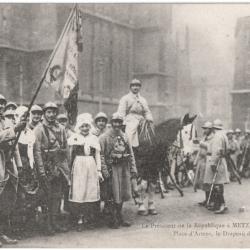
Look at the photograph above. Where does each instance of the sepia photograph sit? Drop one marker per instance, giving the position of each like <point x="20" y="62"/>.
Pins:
<point x="124" y="125"/>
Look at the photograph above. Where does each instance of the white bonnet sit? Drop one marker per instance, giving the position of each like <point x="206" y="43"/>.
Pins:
<point x="19" y="112"/>
<point x="84" y="118"/>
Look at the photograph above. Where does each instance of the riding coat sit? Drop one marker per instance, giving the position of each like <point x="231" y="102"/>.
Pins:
<point x="216" y="157"/>
<point x="133" y="108"/>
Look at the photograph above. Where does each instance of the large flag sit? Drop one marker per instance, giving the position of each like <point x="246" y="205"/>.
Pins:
<point x="62" y="70"/>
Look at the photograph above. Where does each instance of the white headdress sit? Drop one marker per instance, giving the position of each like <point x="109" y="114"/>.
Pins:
<point x="19" y="112"/>
<point x="84" y="118"/>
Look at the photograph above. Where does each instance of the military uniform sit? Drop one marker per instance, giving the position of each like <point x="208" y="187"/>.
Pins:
<point x="24" y="212"/>
<point x="8" y="175"/>
<point x="233" y="148"/>
<point x="133" y="108"/>
<point x="51" y="158"/>
<point x="118" y="163"/>
<point x="216" y="173"/>
<point x="201" y="162"/>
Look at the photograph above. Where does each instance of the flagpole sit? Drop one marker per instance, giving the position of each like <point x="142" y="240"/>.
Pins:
<point x="42" y="79"/>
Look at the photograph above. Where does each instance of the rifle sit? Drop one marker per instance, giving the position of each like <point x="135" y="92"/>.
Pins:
<point x="243" y="158"/>
<point x="197" y="169"/>
<point x="214" y="178"/>
<point x="231" y="165"/>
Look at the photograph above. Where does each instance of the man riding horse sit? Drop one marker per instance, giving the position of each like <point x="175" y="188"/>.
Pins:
<point x="134" y="109"/>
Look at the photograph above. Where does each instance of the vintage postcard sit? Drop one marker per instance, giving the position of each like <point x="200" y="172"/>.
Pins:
<point x="124" y="125"/>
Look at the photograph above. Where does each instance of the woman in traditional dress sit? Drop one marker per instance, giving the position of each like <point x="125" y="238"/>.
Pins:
<point x="86" y="171"/>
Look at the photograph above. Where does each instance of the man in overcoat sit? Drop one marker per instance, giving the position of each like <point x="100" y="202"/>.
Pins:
<point x="118" y="168"/>
<point x="202" y="159"/>
<point x="217" y="173"/>
<point x="51" y="161"/>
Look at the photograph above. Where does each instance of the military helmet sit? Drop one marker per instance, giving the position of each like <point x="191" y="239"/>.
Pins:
<point x="237" y="130"/>
<point x="36" y="108"/>
<point x="62" y="117"/>
<point x="207" y="125"/>
<point x="2" y="98"/>
<point x="230" y="131"/>
<point x="101" y="115"/>
<point x="116" y="116"/>
<point x="9" y="104"/>
<point x="217" y="124"/>
<point x="135" y="82"/>
<point x="50" y="105"/>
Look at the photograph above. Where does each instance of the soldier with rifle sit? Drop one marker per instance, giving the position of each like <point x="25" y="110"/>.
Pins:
<point x="201" y="161"/>
<point x="244" y="162"/>
<point x="51" y="158"/>
<point x="10" y="164"/>
<point x="216" y="173"/>
<point x="231" y="157"/>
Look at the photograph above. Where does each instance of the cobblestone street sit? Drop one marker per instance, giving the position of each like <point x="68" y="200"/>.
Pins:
<point x="180" y="223"/>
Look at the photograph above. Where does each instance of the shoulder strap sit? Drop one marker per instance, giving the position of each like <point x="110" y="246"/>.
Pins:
<point x="46" y="130"/>
<point x="60" y="140"/>
<point x="47" y="135"/>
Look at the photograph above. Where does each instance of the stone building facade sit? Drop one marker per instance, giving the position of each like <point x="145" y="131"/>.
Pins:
<point x="120" y="41"/>
<point x="241" y="89"/>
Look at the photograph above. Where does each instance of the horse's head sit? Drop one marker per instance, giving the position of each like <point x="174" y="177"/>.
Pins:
<point x="188" y="120"/>
<point x="186" y="138"/>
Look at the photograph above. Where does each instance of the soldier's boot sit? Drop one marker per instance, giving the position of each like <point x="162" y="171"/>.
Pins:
<point x="151" y="203"/>
<point x="215" y="200"/>
<point x="49" y="228"/>
<point x="212" y="202"/>
<point x="4" y="239"/>
<point x="222" y="208"/>
<point x="107" y="209"/>
<point x="204" y="203"/>
<point x="122" y="222"/>
<point x="114" y="223"/>
<point x="142" y="193"/>
<point x="58" y="228"/>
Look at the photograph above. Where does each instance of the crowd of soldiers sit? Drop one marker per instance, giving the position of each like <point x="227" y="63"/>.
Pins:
<point x="223" y="157"/>
<point x="88" y="171"/>
<point x="59" y="169"/>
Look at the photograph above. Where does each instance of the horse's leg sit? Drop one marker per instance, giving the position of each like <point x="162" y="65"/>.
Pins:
<point x="176" y="173"/>
<point x="142" y="187"/>
<point x="151" y="194"/>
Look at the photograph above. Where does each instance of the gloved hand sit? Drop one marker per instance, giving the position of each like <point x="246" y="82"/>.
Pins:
<point x="101" y="179"/>
<point x="213" y="167"/>
<point x="105" y="174"/>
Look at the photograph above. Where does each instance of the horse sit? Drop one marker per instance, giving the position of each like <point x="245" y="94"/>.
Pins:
<point x="187" y="145"/>
<point x="152" y="157"/>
